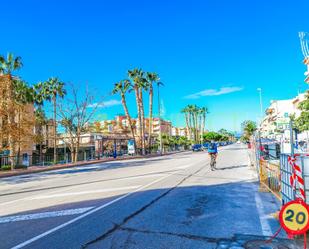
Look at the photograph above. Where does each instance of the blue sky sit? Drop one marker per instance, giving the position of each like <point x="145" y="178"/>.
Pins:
<point x="210" y="53"/>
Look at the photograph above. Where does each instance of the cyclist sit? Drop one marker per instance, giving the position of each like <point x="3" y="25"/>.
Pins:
<point x="213" y="152"/>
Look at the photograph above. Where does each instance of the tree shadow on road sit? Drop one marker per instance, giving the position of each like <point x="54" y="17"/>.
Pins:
<point x="233" y="167"/>
<point x="192" y="215"/>
<point x="85" y="169"/>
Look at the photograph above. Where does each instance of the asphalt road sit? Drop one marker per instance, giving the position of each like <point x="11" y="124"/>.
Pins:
<point x="172" y="201"/>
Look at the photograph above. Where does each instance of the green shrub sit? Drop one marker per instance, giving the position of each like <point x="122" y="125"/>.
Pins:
<point x="6" y="167"/>
<point x="20" y="166"/>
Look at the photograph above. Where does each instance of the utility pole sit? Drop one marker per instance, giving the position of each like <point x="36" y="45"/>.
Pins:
<point x="261" y="103"/>
<point x="291" y="138"/>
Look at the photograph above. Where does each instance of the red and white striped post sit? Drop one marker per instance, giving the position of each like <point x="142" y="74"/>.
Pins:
<point x="297" y="177"/>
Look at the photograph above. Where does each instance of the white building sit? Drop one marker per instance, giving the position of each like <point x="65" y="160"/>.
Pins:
<point x="179" y="131"/>
<point x="278" y="116"/>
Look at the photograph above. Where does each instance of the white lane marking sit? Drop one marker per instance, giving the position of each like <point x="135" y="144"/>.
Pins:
<point x="26" y="198"/>
<point x="44" y="215"/>
<point x="152" y="174"/>
<point x="82" y="192"/>
<point x="21" y="245"/>
<point x="266" y="230"/>
<point x="10" y="202"/>
<point x="183" y="167"/>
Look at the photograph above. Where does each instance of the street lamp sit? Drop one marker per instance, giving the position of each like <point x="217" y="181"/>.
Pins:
<point x="261" y="103"/>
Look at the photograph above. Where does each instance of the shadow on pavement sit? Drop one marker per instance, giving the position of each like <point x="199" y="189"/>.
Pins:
<point x="84" y="169"/>
<point x="233" y="167"/>
<point x="191" y="216"/>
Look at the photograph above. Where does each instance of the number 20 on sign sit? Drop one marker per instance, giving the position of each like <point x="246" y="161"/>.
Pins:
<point x="294" y="217"/>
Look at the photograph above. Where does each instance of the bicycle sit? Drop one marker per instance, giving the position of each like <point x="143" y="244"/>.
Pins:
<point x="213" y="157"/>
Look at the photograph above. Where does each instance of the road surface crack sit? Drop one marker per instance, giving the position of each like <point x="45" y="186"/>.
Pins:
<point x="181" y="235"/>
<point x="131" y="216"/>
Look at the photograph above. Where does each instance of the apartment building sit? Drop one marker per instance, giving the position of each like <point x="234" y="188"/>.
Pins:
<point x="179" y="131"/>
<point x="163" y="125"/>
<point x="21" y="130"/>
<point x="120" y="124"/>
<point x="277" y="117"/>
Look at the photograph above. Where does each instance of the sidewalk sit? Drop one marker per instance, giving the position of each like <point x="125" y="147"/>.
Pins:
<point x="38" y="169"/>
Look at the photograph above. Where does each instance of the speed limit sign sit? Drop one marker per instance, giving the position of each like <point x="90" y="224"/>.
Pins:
<point x="294" y="217"/>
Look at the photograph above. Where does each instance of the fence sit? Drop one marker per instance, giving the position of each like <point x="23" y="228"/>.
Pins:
<point x="26" y="160"/>
<point x="48" y="159"/>
<point x="287" y="192"/>
<point x="275" y="174"/>
<point x="270" y="176"/>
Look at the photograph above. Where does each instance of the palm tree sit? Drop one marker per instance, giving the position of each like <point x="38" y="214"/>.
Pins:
<point x="40" y="95"/>
<point x="203" y="111"/>
<point x="9" y="64"/>
<point x="196" y="111"/>
<point x="195" y="121"/>
<point x="151" y="79"/>
<point x="53" y="89"/>
<point x="139" y="83"/>
<point x="122" y="87"/>
<point x="249" y="127"/>
<point x="159" y="115"/>
<point x="185" y="111"/>
<point x="192" y="120"/>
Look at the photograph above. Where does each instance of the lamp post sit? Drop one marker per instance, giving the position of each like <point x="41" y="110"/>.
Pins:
<point x="261" y="103"/>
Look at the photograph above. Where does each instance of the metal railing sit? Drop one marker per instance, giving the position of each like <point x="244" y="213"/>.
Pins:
<point x="287" y="192"/>
<point x="25" y="160"/>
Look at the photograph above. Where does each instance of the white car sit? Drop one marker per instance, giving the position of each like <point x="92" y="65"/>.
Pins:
<point x="238" y="142"/>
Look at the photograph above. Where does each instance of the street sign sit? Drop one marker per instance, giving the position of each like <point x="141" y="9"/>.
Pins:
<point x="131" y="147"/>
<point x="294" y="217"/>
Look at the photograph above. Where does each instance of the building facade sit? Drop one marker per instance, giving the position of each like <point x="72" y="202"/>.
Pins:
<point x="277" y="117"/>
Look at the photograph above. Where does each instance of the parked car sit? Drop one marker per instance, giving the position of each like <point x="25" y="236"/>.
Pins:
<point x="205" y="146"/>
<point x="197" y="147"/>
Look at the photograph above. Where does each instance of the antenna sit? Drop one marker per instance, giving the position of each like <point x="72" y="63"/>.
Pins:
<point x="304" y="40"/>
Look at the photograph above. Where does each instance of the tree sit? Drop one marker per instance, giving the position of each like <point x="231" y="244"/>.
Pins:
<point x="40" y="96"/>
<point x="203" y="112"/>
<point x="8" y="65"/>
<point x="122" y="87"/>
<point x="195" y="118"/>
<point x="248" y="128"/>
<point x="74" y="117"/>
<point x="151" y="78"/>
<point x="139" y="83"/>
<point x="212" y="136"/>
<point x="54" y="88"/>
<point x="183" y="141"/>
<point x="227" y="136"/>
<point x="191" y="109"/>
<point x="302" y="122"/>
<point x="186" y="113"/>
